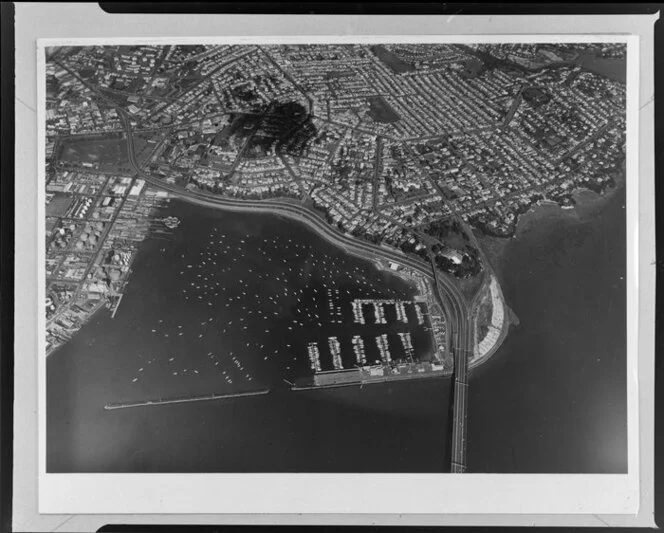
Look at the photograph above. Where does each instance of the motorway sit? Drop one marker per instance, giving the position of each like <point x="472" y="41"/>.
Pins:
<point x="276" y="206"/>
<point x="450" y="298"/>
<point x="457" y="316"/>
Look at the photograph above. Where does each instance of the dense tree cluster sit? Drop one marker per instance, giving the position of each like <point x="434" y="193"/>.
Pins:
<point x="470" y="264"/>
<point x="442" y="229"/>
<point x="287" y="127"/>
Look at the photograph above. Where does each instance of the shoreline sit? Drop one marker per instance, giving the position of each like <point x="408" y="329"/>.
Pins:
<point x="307" y="217"/>
<point x="313" y="221"/>
<point x="587" y="203"/>
<point x="85" y="321"/>
<point x="563" y="279"/>
<point x="509" y="320"/>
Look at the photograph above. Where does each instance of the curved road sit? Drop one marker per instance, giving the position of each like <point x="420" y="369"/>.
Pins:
<point x="462" y="348"/>
<point x="276" y="207"/>
<point x="450" y="298"/>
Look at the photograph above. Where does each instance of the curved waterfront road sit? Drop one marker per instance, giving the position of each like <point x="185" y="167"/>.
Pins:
<point x="452" y="302"/>
<point x="275" y="206"/>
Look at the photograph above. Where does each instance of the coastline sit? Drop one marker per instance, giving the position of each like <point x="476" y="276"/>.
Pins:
<point x="564" y="276"/>
<point x="509" y="320"/>
<point x="587" y="204"/>
<point x="308" y="218"/>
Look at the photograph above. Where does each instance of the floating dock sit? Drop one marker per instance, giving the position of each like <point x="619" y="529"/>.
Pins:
<point x="183" y="399"/>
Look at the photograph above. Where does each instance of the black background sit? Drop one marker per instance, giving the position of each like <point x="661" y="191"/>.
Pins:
<point x="367" y="8"/>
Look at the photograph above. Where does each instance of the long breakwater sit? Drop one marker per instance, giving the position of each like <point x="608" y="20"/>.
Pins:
<point x="183" y="399"/>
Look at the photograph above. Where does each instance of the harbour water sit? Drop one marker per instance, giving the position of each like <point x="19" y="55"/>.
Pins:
<point x="228" y="304"/>
<point x="553" y="398"/>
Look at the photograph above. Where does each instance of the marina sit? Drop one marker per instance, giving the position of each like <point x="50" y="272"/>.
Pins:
<point x="279" y="276"/>
<point x="358" y="348"/>
<point x="335" y="350"/>
<point x="355" y="259"/>
<point x="384" y="348"/>
<point x="112" y="352"/>
<point x="314" y="356"/>
<point x="275" y="280"/>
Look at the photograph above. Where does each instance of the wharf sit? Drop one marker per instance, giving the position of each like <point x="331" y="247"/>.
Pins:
<point x="115" y="307"/>
<point x="350" y="377"/>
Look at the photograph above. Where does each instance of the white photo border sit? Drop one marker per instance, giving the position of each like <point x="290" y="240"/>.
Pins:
<point x="605" y="494"/>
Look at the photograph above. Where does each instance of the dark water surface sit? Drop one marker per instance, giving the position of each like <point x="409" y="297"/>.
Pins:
<point x="613" y="68"/>
<point x="553" y="398"/>
<point x="228" y="305"/>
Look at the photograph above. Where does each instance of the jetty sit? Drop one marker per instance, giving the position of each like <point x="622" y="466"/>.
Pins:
<point x="115" y="307"/>
<point x="183" y="399"/>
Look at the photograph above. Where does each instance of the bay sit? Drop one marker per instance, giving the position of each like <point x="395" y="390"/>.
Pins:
<point x="553" y="398"/>
<point x="226" y="305"/>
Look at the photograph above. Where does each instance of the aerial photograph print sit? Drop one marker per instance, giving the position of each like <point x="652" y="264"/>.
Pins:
<point x="369" y="257"/>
